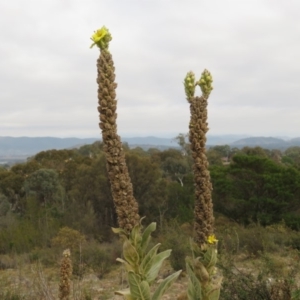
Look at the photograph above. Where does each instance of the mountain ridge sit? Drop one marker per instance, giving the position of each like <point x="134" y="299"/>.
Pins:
<point x="28" y="146"/>
<point x="267" y="142"/>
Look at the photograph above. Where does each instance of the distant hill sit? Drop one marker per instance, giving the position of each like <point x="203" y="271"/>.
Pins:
<point x="295" y="140"/>
<point x="225" y="139"/>
<point x="23" y="147"/>
<point x="18" y="146"/>
<point x="266" y="142"/>
<point x="27" y="146"/>
<point x="258" y="141"/>
<point x="150" y="141"/>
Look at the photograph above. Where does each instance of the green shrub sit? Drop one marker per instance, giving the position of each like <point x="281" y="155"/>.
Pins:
<point x="101" y="258"/>
<point x="175" y="238"/>
<point x="270" y="278"/>
<point x="241" y="284"/>
<point x="253" y="239"/>
<point x="68" y="238"/>
<point x="228" y="241"/>
<point x="295" y="241"/>
<point x="7" y="262"/>
<point x="11" y="296"/>
<point x="48" y="257"/>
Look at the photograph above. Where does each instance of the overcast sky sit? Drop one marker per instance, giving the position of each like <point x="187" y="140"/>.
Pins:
<point x="48" y="73"/>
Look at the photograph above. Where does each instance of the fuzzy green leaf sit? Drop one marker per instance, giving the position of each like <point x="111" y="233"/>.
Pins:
<point x="145" y="288"/>
<point x="196" y="251"/>
<point x="156" y="263"/>
<point x="164" y="285"/>
<point x="135" y="236"/>
<point x="125" y="293"/>
<point x="121" y="232"/>
<point x="130" y="254"/>
<point x="189" y="260"/>
<point x="118" y="230"/>
<point x="210" y="258"/>
<point x="194" y="286"/>
<point x="146" y="237"/>
<point x="214" y="294"/>
<point x="200" y="271"/>
<point x="146" y="262"/>
<point x="139" y="290"/>
<point x="128" y="267"/>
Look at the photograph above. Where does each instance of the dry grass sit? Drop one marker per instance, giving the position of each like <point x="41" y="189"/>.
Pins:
<point x="270" y="255"/>
<point x="31" y="281"/>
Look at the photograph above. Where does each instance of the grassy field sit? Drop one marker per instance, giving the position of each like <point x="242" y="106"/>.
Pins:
<point x="256" y="263"/>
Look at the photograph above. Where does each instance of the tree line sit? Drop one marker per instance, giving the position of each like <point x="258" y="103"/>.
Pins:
<point x="58" y="188"/>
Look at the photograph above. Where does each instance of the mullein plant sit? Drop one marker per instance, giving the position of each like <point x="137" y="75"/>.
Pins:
<point x="142" y="265"/>
<point x="65" y="276"/>
<point x="204" y="284"/>
<point x="121" y="187"/>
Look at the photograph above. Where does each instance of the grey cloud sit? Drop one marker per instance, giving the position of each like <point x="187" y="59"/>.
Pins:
<point x="47" y="73"/>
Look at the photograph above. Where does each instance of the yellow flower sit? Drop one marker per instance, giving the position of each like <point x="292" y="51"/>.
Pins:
<point x="99" y="34"/>
<point x="212" y="239"/>
<point x="99" y="37"/>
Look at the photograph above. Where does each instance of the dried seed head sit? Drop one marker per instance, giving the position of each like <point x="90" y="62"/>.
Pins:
<point x="65" y="276"/>
<point x="121" y="187"/>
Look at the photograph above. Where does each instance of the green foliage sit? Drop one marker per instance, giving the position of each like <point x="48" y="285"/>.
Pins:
<point x="255" y="151"/>
<point x="292" y="156"/>
<point x="101" y="258"/>
<point x="20" y="237"/>
<point x="181" y="201"/>
<point x="7" y="262"/>
<point x="274" y="279"/>
<point x="143" y="265"/>
<point x="88" y="207"/>
<point x="144" y="176"/>
<point x="175" y="238"/>
<point x="26" y="169"/>
<point x="68" y="238"/>
<point x="55" y="159"/>
<point x="47" y="257"/>
<point x="94" y="150"/>
<point x="11" y="296"/>
<point x="140" y="290"/>
<point x="255" y="188"/>
<point x="204" y="284"/>
<point x="11" y="184"/>
<point x="216" y="154"/>
<point x="45" y="183"/>
<point x="243" y="285"/>
<point x="4" y="205"/>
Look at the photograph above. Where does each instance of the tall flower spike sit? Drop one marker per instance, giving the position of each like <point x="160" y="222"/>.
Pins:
<point x="121" y="186"/>
<point x="201" y="267"/>
<point x="65" y="276"/>
<point x="203" y="210"/>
